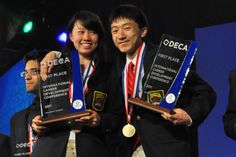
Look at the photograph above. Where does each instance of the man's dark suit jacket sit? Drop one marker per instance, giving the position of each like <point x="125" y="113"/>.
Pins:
<point x="4" y="146"/>
<point x="162" y="138"/>
<point x="19" y="129"/>
<point x="229" y="117"/>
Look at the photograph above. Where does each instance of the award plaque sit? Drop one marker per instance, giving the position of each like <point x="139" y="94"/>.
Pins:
<point x="167" y="74"/>
<point x="61" y="93"/>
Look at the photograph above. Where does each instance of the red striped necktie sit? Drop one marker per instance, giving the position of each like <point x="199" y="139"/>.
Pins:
<point x="131" y="78"/>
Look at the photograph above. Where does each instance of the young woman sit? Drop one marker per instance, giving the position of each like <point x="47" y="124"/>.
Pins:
<point x="102" y="95"/>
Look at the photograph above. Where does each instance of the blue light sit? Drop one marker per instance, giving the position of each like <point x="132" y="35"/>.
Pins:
<point x="62" y="37"/>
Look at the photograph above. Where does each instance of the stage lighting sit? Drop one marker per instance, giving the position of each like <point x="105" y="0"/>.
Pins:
<point x="62" y="37"/>
<point x="28" y="26"/>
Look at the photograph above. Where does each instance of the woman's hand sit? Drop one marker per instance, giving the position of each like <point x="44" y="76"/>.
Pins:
<point x="46" y="64"/>
<point x="93" y="119"/>
<point x="36" y="124"/>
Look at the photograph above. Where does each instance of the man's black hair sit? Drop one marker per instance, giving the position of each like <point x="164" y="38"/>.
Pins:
<point x="35" y="55"/>
<point x="131" y="12"/>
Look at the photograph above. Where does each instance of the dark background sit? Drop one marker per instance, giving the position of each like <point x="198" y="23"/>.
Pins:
<point x="175" y="17"/>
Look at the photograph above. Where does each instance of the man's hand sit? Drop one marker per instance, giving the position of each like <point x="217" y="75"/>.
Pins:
<point x="36" y="124"/>
<point x="179" y="117"/>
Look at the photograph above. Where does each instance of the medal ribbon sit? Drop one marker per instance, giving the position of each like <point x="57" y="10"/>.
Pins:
<point x="30" y="139"/>
<point x="88" y="72"/>
<point x="138" y="69"/>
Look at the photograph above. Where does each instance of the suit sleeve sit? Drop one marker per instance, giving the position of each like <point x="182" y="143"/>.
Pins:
<point x="229" y="117"/>
<point x="199" y="98"/>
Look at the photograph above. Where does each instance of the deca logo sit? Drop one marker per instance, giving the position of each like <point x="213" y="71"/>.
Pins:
<point x="175" y="45"/>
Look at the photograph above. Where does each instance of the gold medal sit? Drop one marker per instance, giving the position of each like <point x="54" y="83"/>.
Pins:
<point x="128" y="130"/>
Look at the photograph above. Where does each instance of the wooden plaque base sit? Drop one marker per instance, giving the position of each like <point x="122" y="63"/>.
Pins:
<point x="64" y="118"/>
<point x="144" y="104"/>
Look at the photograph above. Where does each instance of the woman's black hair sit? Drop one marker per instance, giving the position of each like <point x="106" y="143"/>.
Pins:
<point x="92" y="22"/>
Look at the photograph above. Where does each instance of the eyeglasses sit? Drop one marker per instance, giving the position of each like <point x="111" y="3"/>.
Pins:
<point x="31" y="72"/>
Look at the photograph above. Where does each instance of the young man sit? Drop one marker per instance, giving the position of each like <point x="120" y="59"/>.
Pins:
<point x="229" y="117"/>
<point x="166" y="135"/>
<point x="22" y="135"/>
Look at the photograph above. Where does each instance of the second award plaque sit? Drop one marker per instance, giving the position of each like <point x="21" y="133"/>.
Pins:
<point x="167" y="74"/>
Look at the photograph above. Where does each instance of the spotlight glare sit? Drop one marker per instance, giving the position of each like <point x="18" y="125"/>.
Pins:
<point x="28" y="26"/>
<point x="62" y="37"/>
